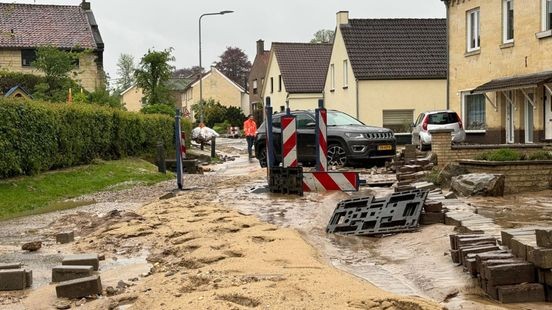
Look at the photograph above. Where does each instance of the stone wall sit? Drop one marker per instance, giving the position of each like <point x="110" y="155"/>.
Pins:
<point x="448" y="153"/>
<point x="520" y="176"/>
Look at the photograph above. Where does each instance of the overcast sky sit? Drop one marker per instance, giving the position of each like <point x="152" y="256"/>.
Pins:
<point x="133" y="26"/>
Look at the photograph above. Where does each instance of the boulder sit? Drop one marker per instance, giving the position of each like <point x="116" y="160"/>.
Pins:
<point x="451" y="170"/>
<point x="32" y="246"/>
<point x="478" y="184"/>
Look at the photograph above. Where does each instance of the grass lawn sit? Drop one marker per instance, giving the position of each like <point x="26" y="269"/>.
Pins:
<point x="46" y="192"/>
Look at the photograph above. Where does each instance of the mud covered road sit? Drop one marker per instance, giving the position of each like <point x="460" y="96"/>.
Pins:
<point x="227" y="244"/>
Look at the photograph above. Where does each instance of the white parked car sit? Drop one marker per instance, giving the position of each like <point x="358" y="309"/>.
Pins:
<point x="431" y="120"/>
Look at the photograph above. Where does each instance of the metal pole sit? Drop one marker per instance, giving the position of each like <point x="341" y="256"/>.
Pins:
<point x="161" y="165"/>
<point x="213" y="146"/>
<point x="200" y="74"/>
<point x="177" y="133"/>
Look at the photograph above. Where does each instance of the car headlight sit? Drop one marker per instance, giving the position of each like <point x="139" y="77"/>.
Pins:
<point x="356" y="135"/>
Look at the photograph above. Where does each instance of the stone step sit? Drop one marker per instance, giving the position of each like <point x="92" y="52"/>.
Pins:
<point x="80" y="288"/>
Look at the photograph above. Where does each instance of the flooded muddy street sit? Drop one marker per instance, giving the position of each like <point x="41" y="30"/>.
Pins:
<point x="200" y="246"/>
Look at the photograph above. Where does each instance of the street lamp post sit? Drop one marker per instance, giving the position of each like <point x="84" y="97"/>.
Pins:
<point x="200" y="66"/>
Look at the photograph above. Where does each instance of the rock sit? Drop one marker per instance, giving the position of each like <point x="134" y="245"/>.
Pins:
<point x="451" y="170"/>
<point x="80" y="302"/>
<point x="32" y="246"/>
<point x="478" y="184"/>
<point x="110" y="291"/>
<point x="101" y="256"/>
<point x="62" y="304"/>
<point x="122" y="285"/>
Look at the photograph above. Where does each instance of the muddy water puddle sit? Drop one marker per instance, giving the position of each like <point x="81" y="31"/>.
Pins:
<point x="414" y="263"/>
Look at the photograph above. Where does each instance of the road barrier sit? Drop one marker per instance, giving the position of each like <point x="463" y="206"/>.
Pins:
<point x="289" y="141"/>
<point x="330" y="181"/>
<point x="321" y="115"/>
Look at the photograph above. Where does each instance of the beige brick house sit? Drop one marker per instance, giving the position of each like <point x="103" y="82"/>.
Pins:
<point x="218" y="87"/>
<point x="386" y="71"/>
<point x="296" y="73"/>
<point x="25" y="27"/>
<point x="500" y="69"/>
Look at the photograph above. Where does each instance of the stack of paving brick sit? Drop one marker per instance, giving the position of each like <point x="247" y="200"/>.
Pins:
<point x="77" y="276"/>
<point x="433" y="213"/>
<point x="14" y="278"/>
<point x="510" y="276"/>
<point x="535" y="246"/>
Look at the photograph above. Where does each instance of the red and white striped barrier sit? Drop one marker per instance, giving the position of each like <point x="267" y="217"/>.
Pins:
<point x="289" y="141"/>
<point x="322" y="140"/>
<point x="330" y="181"/>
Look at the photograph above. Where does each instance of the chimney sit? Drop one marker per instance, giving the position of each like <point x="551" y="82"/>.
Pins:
<point x="342" y="18"/>
<point x="85" y="5"/>
<point x="260" y="47"/>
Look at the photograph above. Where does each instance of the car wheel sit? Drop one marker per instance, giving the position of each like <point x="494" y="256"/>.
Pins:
<point x="261" y="156"/>
<point x="337" y="156"/>
<point x="423" y="147"/>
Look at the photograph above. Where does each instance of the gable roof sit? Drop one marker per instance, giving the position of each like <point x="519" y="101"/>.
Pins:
<point x="16" y="88"/>
<point x="63" y="26"/>
<point x="207" y="74"/>
<point x="303" y="65"/>
<point x="397" y="48"/>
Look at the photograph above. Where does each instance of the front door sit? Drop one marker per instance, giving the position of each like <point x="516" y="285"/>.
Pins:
<point x="547" y="115"/>
<point x="509" y="122"/>
<point x="529" y="119"/>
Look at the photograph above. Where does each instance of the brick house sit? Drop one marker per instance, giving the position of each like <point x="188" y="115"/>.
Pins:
<point x="256" y="79"/>
<point x="500" y="69"/>
<point x="296" y="72"/>
<point x="25" y="27"/>
<point x="386" y="71"/>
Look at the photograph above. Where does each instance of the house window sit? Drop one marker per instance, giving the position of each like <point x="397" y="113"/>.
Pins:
<point x="254" y="86"/>
<point x="398" y="120"/>
<point x="546" y="15"/>
<point x="473" y="112"/>
<point x="345" y="73"/>
<point x="271" y="85"/>
<point x="279" y="83"/>
<point x="27" y="57"/>
<point x="473" y="30"/>
<point x="262" y="82"/>
<point x="507" y="21"/>
<point x="332" y="76"/>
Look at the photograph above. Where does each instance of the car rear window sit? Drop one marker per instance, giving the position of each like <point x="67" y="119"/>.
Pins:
<point x="443" y="118"/>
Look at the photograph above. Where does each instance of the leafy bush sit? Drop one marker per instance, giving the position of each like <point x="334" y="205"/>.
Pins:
<point x="38" y="136"/>
<point x="221" y="128"/>
<point x="501" y="155"/>
<point x="215" y="113"/>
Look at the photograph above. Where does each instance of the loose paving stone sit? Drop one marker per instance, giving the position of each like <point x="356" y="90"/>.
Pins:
<point x="526" y="292"/>
<point x="544" y="238"/>
<point x="433" y="206"/>
<point x="79" y="288"/>
<point x="432" y="218"/>
<point x="82" y="260"/>
<point x="28" y="278"/>
<point x="508" y="274"/>
<point x="65" y="237"/>
<point x="10" y="266"/>
<point x="12" y="279"/>
<point x="542" y="258"/>
<point x="508" y="234"/>
<point x="66" y="273"/>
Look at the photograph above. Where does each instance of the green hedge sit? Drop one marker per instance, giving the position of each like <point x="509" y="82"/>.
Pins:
<point x="39" y="136"/>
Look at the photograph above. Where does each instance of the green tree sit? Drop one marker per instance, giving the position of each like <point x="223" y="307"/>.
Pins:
<point x="56" y="65"/>
<point x="125" y="72"/>
<point x="153" y="73"/>
<point x="216" y="113"/>
<point x="323" y="36"/>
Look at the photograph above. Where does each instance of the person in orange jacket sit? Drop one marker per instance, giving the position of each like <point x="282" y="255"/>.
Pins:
<point x="250" y="128"/>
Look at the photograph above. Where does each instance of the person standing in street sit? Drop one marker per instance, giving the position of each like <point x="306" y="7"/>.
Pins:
<point x="250" y="128"/>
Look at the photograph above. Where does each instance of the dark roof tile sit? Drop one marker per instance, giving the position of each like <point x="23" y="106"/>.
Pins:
<point x="303" y="65"/>
<point x="397" y="48"/>
<point x="30" y="26"/>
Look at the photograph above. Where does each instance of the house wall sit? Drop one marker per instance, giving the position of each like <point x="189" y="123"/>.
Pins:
<point x="87" y="74"/>
<point x="132" y="99"/>
<point x="340" y="98"/>
<point x="418" y="95"/>
<point x="217" y="87"/>
<point x="526" y="55"/>
<point x="278" y="98"/>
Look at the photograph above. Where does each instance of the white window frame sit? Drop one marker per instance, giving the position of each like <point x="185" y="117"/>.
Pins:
<point x="345" y="73"/>
<point x="332" y="77"/>
<point x="505" y="24"/>
<point x="464" y="95"/>
<point x="473" y="14"/>
<point x="545" y="23"/>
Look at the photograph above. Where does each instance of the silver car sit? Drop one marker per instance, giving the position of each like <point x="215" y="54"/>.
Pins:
<point x="431" y="120"/>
